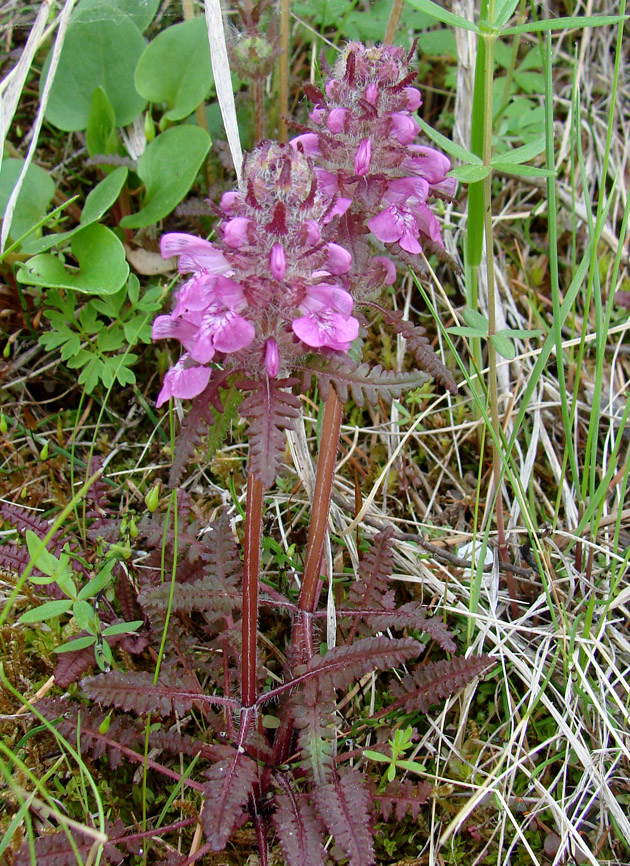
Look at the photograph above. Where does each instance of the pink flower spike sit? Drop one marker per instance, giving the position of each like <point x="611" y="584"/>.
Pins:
<point x="278" y="262"/>
<point x="371" y="93"/>
<point x="414" y="98"/>
<point x="317" y="116"/>
<point x="183" y="381"/>
<point x="404" y="127"/>
<point x="339" y="259"/>
<point x="272" y="358"/>
<point x="307" y="143"/>
<point x="229" y="293"/>
<point x="236" y="231"/>
<point x="195" y="254"/>
<point x="363" y="158"/>
<point x="310" y="229"/>
<point x="337" y="120"/>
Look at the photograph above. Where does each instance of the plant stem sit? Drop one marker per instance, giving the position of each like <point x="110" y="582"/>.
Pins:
<point x="329" y="443"/>
<point x="283" y="70"/>
<point x="251" y="567"/>
<point x="393" y="22"/>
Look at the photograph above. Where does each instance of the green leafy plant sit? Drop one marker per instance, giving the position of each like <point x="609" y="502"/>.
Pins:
<point x="400" y="743"/>
<point x="96" y="337"/>
<point x="503" y="340"/>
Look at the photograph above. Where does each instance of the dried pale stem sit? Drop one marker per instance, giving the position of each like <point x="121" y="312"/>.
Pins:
<point x="251" y="568"/>
<point x="394" y="20"/>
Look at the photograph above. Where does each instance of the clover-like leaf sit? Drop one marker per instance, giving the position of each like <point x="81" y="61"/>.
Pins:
<point x="103" y="269"/>
<point x="168" y="168"/>
<point x="37" y="191"/>
<point x="175" y="68"/>
<point x="101" y="49"/>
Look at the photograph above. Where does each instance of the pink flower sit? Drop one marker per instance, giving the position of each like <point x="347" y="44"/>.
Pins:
<point x="396" y="224"/>
<point x="184" y="381"/>
<point x="337" y="120"/>
<point x="428" y="163"/>
<point x="325" y="296"/>
<point x="404" y="127"/>
<point x="363" y="158"/>
<point x="307" y="143"/>
<point x="339" y="259"/>
<point x="414" y="98"/>
<point x="195" y="254"/>
<point x="236" y="232"/>
<point x="371" y="93"/>
<point x="272" y="358"/>
<point x="278" y="262"/>
<point x="326" y="329"/>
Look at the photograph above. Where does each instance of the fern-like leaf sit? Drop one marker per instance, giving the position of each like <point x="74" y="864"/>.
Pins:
<point x="431" y="683"/>
<point x="270" y="409"/>
<point x="402" y="798"/>
<point x="419" y="346"/>
<point x="227" y="794"/>
<point x="314" y="716"/>
<point x="363" y="383"/>
<point x="55" y="849"/>
<point x="174" y="692"/>
<point x="411" y="615"/>
<point x="343" y="804"/>
<point x="344" y="664"/>
<point x="196" y="423"/>
<point x="375" y="573"/>
<point x="300" y="832"/>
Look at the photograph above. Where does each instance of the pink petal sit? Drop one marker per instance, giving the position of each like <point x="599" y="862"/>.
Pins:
<point x="232" y="332"/>
<point x="230" y="200"/>
<point x="229" y="293"/>
<point x="339" y="260"/>
<point x="323" y="297"/>
<point x="236" y="232"/>
<point x="183" y="381"/>
<point x="326" y="329"/>
<point x="195" y="253"/>
<point x="371" y="93"/>
<point x="404" y="127"/>
<point x="337" y="120"/>
<point x="428" y="163"/>
<point x="363" y="158"/>
<point x="385" y="226"/>
<point x="388" y="267"/>
<point x="307" y="143"/>
<point x="317" y="116"/>
<point x="272" y="358"/>
<point x="414" y="98"/>
<point x="278" y="262"/>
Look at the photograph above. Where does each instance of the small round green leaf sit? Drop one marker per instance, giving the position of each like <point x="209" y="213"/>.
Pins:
<point x="175" y="68"/>
<point x="103" y="196"/>
<point x="475" y="319"/>
<point x="101" y="48"/>
<point x="168" y="168"/>
<point x="503" y="345"/>
<point x="122" y="627"/>
<point x="103" y="269"/>
<point x="37" y="191"/>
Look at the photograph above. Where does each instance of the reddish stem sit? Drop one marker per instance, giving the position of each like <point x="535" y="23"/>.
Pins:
<point x="251" y="567"/>
<point x="329" y="444"/>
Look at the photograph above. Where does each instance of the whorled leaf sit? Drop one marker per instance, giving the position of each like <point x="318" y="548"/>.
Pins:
<point x="314" y="716"/>
<point x="411" y="615"/>
<point x="175" y="692"/>
<point x="270" y="409"/>
<point x="419" y="346"/>
<point x="363" y="383"/>
<point x="343" y="804"/>
<point x="56" y="849"/>
<point x="402" y="798"/>
<point x="198" y="419"/>
<point x="231" y="782"/>
<point x="432" y="682"/>
<point x="300" y="831"/>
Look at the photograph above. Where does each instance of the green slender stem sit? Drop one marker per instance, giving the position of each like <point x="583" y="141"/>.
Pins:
<point x="251" y="568"/>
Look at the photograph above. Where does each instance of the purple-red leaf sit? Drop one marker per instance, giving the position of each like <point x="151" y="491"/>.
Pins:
<point x="431" y="683"/>
<point x="55" y="849"/>
<point x="343" y="804"/>
<point x="174" y="692"/>
<point x="227" y="793"/>
<point x="300" y="832"/>
<point x="402" y="797"/>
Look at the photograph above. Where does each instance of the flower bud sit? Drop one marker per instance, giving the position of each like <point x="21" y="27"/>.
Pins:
<point x="363" y="158"/>
<point x="272" y="358"/>
<point x="278" y="262"/>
